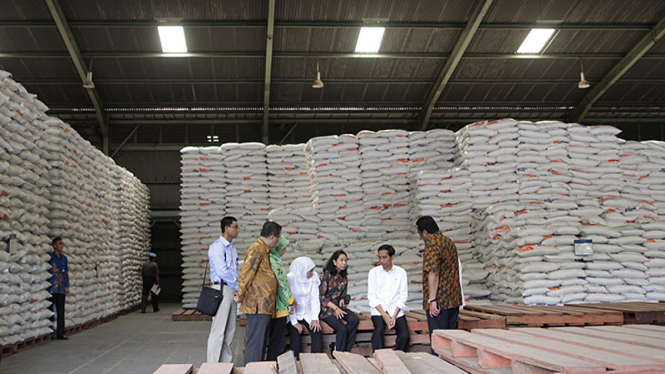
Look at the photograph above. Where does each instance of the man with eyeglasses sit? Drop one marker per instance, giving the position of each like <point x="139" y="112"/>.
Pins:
<point x="258" y="290"/>
<point x="223" y="261"/>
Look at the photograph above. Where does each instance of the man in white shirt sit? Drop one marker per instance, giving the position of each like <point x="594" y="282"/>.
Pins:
<point x="223" y="259"/>
<point x="387" y="292"/>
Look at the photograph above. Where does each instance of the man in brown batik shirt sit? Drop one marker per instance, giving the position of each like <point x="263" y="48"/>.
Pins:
<point x="257" y="290"/>
<point x="442" y="292"/>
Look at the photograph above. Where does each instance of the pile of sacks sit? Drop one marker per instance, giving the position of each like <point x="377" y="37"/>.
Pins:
<point x="246" y="189"/>
<point x="336" y="185"/>
<point x="385" y="183"/>
<point x="85" y="211"/>
<point x="202" y="207"/>
<point x="54" y="183"/>
<point x="446" y="197"/>
<point x="288" y="182"/>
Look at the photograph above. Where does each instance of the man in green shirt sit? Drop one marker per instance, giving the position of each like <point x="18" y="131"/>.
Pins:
<point x="150" y="273"/>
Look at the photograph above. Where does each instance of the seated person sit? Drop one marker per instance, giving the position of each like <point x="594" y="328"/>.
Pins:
<point x="387" y="292"/>
<point x="304" y="283"/>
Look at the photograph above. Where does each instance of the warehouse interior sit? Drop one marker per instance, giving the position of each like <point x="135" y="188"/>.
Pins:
<point x="249" y="67"/>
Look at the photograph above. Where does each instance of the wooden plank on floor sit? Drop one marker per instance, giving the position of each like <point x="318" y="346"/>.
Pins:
<point x="598" y="343"/>
<point x="355" y="364"/>
<point x="389" y="362"/>
<point x="215" y="368"/>
<point x="494" y="353"/>
<point x="264" y="367"/>
<point x="607" y="359"/>
<point x="646" y="327"/>
<point x="317" y="363"/>
<point x="286" y="363"/>
<point x="425" y="363"/>
<point x="175" y="369"/>
<point x="617" y="334"/>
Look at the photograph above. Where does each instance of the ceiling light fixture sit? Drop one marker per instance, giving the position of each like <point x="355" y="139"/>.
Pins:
<point x="317" y="83"/>
<point x="88" y="78"/>
<point x="172" y="38"/>
<point x="535" y="41"/>
<point x="583" y="82"/>
<point x="369" y="39"/>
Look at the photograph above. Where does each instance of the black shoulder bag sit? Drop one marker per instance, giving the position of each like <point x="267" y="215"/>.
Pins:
<point x="210" y="298"/>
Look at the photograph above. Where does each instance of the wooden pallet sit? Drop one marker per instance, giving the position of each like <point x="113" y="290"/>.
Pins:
<point x="636" y="312"/>
<point x="9" y="350"/>
<point x="546" y="316"/>
<point x="540" y="350"/>
<point x="192" y="315"/>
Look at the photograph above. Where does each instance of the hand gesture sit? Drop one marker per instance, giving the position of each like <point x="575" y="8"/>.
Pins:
<point x="393" y="320"/>
<point x="387" y="319"/>
<point x="433" y="309"/>
<point x="298" y="327"/>
<point x="339" y="313"/>
<point x="236" y="298"/>
<point x="342" y="304"/>
<point x="314" y="326"/>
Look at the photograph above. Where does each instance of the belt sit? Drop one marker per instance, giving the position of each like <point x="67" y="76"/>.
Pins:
<point x="222" y="283"/>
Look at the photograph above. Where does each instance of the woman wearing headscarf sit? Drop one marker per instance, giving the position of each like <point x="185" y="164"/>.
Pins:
<point x="335" y="301"/>
<point x="277" y="329"/>
<point x="304" y="284"/>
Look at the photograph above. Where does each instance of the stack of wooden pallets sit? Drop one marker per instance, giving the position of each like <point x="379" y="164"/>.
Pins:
<point x="627" y="349"/>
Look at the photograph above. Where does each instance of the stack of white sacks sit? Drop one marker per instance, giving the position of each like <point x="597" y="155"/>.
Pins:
<point x="82" y="208"/>
<point x="385" y="182"/>
<point x="132" y="233"/>
<point x="336" y="185"/>
<point x="203" y="205"/>
<point x="288" y="181"/>
<point x="246" y="190"/>
<point x="54" y="183"/>
<point x="23" y="212"/>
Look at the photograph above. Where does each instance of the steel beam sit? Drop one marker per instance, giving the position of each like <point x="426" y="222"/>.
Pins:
<point x="265" y="132"/>
<point x="75" y="54"/>
<point x="333" y="81"/>
<point x="324" y="55"/>
<point x="454" y="59"/>
<point x="388" y="25"/>
<point x="598" y="90"/>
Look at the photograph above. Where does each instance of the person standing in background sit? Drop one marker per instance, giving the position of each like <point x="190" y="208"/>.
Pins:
<point x="59" y="284"/>
<point x="223" y="260"/>
<point x="150" y="274"/>
<point x="334" y="301"/>
<point x="277" y="332"/>
<point x="387" y="293"/>
<point x="257" y="289"/>
<point x="442" y="290"/>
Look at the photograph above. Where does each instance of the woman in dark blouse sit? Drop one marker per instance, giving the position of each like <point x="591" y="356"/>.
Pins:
<point x="334" y="301"/>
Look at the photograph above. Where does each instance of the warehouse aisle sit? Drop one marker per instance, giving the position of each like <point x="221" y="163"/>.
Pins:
<point x="132" y="344"/>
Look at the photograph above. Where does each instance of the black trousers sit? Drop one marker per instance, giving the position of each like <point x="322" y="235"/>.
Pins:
<point x="346" y="334"/>
<point x="257" y="335"/>
<point x="276" y="338"/>
<point x="294" y="339"/>
<point x="446" y="320"/>
<point x="148" y="282"/>
<point x="401" y="329"/>
<point x="58" y="307"/>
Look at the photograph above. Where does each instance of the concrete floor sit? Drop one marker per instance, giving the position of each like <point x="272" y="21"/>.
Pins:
<point x="131" y="344"/>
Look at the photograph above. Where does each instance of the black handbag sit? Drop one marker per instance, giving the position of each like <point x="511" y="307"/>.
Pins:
<point x="210" y="298"/>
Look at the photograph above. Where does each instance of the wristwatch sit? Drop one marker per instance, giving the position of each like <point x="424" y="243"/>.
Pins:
<point x="430" y="301"/>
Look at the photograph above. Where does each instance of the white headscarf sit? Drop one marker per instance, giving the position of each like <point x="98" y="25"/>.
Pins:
<point x="301" y="285"/>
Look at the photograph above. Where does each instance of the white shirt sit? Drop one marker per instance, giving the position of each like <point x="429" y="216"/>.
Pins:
<point x="308" y="304"/>
<point x="388" y="289"/>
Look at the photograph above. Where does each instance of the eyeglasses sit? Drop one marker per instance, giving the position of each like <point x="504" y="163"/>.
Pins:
<point x="235" y="227"/>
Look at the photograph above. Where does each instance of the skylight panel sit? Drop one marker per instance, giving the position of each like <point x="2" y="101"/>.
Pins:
<point x="535" y="41"/>
<point x="369" y="39"/>
<point x="173" y="39"/>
